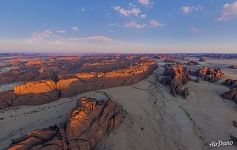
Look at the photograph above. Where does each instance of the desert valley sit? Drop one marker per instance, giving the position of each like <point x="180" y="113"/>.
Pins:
<point x="117" y="101"/>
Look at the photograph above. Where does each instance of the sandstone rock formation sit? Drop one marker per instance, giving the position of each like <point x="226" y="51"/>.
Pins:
<point x="35" y="93"/>
<point x="88" y="122"/>
<point x="176" y="76"/>
<point x="210" y="74"/>
<point x="231" y="95"/>
<point x="35" y="68"/>
<point x="230" y="83"/>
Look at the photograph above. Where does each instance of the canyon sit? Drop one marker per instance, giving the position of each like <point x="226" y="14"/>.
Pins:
<point x="114" y="102"/>
<point x="40" y="92"/>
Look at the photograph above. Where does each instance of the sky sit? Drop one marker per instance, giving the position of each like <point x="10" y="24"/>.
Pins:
<point x="127" y="26"/>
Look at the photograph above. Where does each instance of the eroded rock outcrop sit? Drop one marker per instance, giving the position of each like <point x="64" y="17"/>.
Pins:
<point x="35" y="68"/>
<point x="210" y="74"/>
<point x="176" y="76"/>
<point x="232" y="93"/>
<point x="230" y="83"/>
<point x="88" y="122"/>
<point x="35" y="93"/>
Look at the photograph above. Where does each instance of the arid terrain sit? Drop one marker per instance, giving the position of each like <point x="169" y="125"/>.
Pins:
<point x="118" y="101"/>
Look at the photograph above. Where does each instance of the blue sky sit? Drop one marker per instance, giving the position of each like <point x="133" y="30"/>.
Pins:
<point x="118" y="26"/>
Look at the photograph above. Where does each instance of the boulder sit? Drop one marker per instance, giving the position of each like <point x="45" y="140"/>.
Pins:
<point x="231" y="94"/>
<point x="230" y="83"/>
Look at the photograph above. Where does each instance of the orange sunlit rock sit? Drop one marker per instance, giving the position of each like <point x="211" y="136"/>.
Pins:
<point x="88" y="122"/>
<point x="40" y="92"/>
<point x="176" y="76"/>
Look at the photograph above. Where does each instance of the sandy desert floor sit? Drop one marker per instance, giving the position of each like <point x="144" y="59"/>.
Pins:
<point x="154" y="119"/>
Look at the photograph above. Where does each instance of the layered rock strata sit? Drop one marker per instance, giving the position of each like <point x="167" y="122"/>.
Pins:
<point x="88" y="122"/>
<point x="35" y="68"/>
<point x="35" y="93"/>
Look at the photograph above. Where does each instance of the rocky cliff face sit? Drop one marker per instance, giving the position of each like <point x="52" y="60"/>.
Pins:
<point x="176" y="76"/>
<point x="37" y="68"/>
<point x="210" y="74"/>
<point x="232" y="93"/>
<point x="84" y="82"/>
<point x="35" y="87"/>
<point x="34" y="93"/>
<point x="230" y="83"/>
<point x="88" y="122"/>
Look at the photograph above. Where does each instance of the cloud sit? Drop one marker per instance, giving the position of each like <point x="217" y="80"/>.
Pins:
<point x="229" y="12"/>
<point x="133" y="11"/>
<point x="134" y="25"/>
<point x="83" y="9"/>
<point x="49" y="42"/>
<point x="114" y="25"/>
<point x="144" y="2"/>
<point x="75" y="28"/>
<point x="42" y="35"/>
<point x="100" y="43"/>
<point x="188" y="9"/>
<point x="155" y="24"/>
<point x="61" y="31"/>
<point x="195" y="30"/>
<point x="143" y="15"/>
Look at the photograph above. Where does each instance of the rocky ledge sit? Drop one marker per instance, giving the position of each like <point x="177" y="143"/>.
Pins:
<point x="40" y="92"/>
<point x="210" y="74"/>
<point x="176" y="76"/>
<point x="88" y="122"/>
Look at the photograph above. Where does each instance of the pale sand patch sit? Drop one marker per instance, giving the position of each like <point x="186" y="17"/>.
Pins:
<point x="171" y="123"/>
